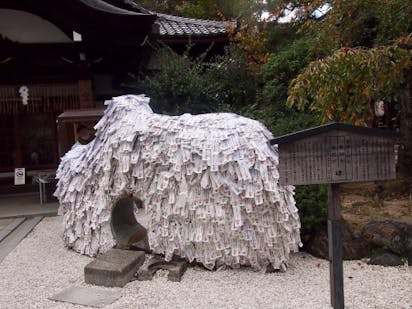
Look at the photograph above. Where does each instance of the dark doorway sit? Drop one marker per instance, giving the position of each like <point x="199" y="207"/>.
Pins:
<point x="129" y="234"/>
<point x="28" y="140"/>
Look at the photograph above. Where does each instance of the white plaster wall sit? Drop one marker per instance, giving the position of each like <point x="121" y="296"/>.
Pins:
<point x="23" y="27"/>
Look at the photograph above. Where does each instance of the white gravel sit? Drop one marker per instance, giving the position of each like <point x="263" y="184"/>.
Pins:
<point x="41" y="267"/>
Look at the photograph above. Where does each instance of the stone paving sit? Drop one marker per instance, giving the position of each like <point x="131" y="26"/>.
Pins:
<point x="4" y="223"/>
<point x="28" y="205"/>
<point x="19" y="214"/>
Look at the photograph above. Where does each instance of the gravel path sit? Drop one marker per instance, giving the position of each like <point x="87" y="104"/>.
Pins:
<point x="41" y="267"/>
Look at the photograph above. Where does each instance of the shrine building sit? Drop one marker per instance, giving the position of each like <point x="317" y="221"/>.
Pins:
<point x="59" y="55"/>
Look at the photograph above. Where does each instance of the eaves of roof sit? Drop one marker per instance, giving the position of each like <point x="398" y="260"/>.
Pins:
<point x="292" y="137"/>
<point x="168" y="26"/>
<point x="176" y="26"/>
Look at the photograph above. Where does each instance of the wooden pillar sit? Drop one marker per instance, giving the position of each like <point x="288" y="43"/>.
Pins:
<point x="53" y="124"/>
<point x="335" y="247"/>
<point x="17" y="141"/>
<point x="66" y="136"/>
<point x="86" y="93"/>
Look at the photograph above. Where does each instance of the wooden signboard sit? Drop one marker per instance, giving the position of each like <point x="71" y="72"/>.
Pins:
<point x="337" y="156"/>
<point x="336" y="153"/>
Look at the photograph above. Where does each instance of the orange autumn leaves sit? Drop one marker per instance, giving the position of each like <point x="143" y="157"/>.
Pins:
<point x="343" y="86"/>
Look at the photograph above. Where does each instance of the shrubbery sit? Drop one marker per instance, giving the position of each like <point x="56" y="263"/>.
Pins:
<point x="189" y="85"/>
<point x="312" y="202"/>
<point x="184" y="84"/>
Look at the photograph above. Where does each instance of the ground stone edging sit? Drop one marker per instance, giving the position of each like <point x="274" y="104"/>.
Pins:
<point x="394" y="236"/>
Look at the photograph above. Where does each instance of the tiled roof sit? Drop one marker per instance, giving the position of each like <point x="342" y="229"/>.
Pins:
<point x="171" y="26"/>
<point x="175" y="26"/>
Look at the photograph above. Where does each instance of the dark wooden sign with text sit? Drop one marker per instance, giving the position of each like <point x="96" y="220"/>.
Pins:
<point x="333" y="154"/>
<point x="335" y="157"/>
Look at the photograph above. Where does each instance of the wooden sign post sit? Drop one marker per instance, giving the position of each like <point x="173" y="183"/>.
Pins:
<point x="336" y="153"/>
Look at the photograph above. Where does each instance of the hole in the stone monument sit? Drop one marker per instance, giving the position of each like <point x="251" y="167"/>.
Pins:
<point x="129" y="233"/>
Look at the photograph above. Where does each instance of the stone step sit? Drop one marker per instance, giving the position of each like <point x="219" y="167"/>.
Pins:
<point x="115" y="268"/>
<point x="177" y="267"/>
<point x="10" y="227"/>
<point x="17" y="235"/>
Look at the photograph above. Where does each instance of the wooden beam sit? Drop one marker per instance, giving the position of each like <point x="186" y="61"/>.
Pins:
<point x="17" y="142"/>
<point x="86" y="94"/>
<point x="335" y="247"/>
<point x="53" y="123"/>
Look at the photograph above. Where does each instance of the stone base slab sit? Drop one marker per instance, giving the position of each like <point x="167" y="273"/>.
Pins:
<point x="176" y="268"/>
<point x="115" y="268"/>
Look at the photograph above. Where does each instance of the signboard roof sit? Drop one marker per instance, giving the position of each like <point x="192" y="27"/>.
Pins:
<point x="333" y="126"/>
<point x="336" y="153"/>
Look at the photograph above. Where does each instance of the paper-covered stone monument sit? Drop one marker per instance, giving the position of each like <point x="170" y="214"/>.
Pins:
<point x="209" y="185"/>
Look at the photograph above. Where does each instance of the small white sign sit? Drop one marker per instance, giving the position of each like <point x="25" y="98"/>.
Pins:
<point x="19" y="176"/>
<point x="379" y="108"/>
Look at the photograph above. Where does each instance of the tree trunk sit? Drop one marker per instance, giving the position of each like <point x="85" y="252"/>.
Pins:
<point x="405" y="152"/>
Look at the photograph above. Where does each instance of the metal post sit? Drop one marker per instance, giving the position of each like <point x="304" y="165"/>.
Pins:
<point x="335" y="247"/>
<point x="40" y="190"/>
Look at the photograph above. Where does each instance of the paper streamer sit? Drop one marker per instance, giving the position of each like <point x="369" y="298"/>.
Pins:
<point x="209" y="185"/>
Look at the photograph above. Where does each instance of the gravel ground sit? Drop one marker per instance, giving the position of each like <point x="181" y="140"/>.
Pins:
<point x="41" y="267"/>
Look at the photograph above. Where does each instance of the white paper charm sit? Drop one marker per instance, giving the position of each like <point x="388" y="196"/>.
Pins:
<point x="208" y="183"/>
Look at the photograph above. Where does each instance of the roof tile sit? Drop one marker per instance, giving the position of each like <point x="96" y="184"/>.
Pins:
<point x="170" y="25"/>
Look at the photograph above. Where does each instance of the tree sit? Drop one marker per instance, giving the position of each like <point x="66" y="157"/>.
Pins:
<point x="281" y="67"/>
<point x="350" y="23"/>
<point x="345" y="85"/>
<point x="162" y="6"/>
<point x="367" y="62"/>
<point x="205" y="9"/>
<point x="186" y="85"/>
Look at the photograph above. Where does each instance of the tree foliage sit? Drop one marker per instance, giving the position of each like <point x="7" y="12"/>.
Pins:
<point x="344" y="86"/>
<point x="352" y="22"/>
<point x="200" y="9"/>
<point x="330" y="67"/>
<point x="183" y="84"/>
<point x="283" y="66"/>
<point x="365" y="23"/>
<point x="161" y="6"/>
<point x="220" y="9"/>
<point x="313" y="208"/>
<point x="205" y="9"/>
<point x="280" y="69"/>
<point x="367" y="63"/>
